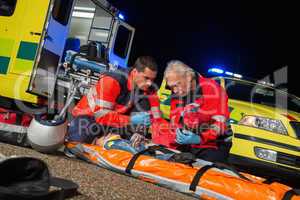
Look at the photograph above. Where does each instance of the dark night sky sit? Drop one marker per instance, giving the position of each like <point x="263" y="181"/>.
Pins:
<point x="253" y="39"/>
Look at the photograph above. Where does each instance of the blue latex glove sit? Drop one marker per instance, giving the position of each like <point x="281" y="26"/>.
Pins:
<point x="187" y="137"/>
<point x="140" y="118"/>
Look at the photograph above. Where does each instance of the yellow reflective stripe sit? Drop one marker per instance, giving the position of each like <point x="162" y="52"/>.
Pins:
<point x="219" y="118"/>
<point x="104" y="104"/>
<point x="101" y="113"/>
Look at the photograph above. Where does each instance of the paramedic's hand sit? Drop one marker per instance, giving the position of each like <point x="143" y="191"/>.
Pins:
<point x="140" y="118"/>
<point x="187" y="137"/>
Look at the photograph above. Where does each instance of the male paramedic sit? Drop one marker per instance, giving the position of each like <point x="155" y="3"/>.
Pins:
<point x="118" y="100"/>
<point x="199" y="110"/>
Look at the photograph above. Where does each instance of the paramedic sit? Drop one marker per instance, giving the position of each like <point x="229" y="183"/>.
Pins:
<point x="118" y="100"/>
<point x="199" y="110"/>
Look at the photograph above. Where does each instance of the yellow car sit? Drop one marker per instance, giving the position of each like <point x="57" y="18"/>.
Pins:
<point x="265" y="123"/>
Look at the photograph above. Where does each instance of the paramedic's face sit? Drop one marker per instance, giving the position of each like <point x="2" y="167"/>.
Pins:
<point x="144" y="79"/>
<point x="179" y="84"/>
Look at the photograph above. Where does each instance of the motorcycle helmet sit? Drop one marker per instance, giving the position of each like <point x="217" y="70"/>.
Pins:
<point x="45" y="135"/>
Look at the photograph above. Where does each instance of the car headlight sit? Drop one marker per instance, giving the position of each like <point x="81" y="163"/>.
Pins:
<point x="265" y="154"/>
<point x="268" y="124"/>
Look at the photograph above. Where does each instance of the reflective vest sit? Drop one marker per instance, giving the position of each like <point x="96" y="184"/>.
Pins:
<point x="111" y="101"/>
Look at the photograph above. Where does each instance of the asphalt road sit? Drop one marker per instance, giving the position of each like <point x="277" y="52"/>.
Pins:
<point x="95" y="182"/>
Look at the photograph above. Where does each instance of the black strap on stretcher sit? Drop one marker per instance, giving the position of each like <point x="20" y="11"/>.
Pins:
<point x="289" y="194"/>
<point x="202" y="170"/>
<point x="197" y="176"/>
<point x="270" y="181"/>
<point x="151" y="149"/>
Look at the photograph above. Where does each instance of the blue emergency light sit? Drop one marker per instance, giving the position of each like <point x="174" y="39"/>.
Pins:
<point x="121" y="16"/>
<point x="216" y="70"/>
<point x="237" y="76"/>
<point x="220" y="71"/>
<point x="229" y="73"/>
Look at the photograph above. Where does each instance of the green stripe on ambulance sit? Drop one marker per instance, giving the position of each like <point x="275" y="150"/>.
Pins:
<point x="27" y="50"/>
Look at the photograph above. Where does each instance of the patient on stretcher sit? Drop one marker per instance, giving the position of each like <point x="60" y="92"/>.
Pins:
<point x="138" y="143"/>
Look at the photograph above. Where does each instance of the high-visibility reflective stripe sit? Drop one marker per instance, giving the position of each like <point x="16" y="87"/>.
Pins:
<point x="101" y="113"/>
<point x="93" y="102"/>
<point x="216" y="128"/>
<point x="104" y="104"/>
<point x="90" y="98"/>
<point x="219" y="118"/>
<point x="156" y="115"/>
<point x="194" y="104"/>
<point x="156" y="108"/>
<point x="155" y="112"/>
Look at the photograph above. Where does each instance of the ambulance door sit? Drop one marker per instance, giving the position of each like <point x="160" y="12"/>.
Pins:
<point x="21" y="27"/>
<point x="101" y="27"/>
<point x="120" y="43"/>
<point x="44" y="75"/>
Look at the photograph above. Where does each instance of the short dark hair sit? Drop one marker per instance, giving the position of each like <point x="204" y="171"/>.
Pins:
<point x="144" y="62"/>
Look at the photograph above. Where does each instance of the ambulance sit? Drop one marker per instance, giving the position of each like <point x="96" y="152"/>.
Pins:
<point x="36" y="35"/>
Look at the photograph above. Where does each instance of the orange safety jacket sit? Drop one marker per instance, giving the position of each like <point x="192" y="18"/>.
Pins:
<point x="112" y="100"/>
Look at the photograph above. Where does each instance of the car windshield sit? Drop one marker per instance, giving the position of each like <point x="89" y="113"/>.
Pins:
<point x="261" y="94"/>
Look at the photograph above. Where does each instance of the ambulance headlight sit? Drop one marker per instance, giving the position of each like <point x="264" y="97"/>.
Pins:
<point x="268" y="124"/>
<point x="265" y="154"/>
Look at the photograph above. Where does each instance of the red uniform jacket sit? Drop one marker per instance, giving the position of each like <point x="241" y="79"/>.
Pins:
<point x="111" y="101"/>
<point x="203" y="112"/>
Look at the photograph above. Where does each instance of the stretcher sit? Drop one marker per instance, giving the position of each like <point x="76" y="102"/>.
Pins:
<point x="206" y="181"/>
<point x="81" y="63"/>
